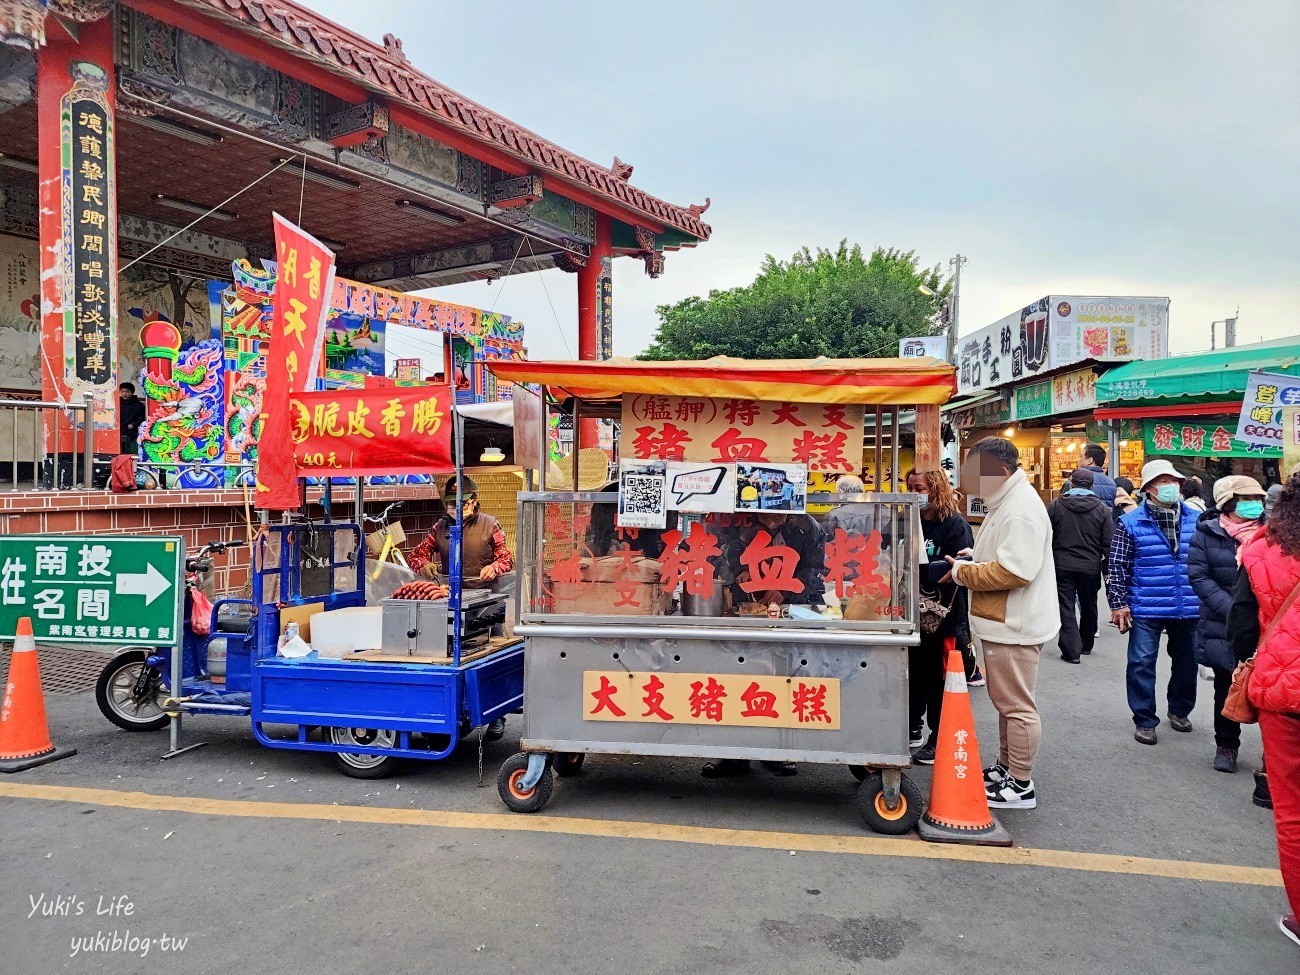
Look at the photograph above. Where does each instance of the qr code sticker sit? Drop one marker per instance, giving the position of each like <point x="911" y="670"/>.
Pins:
<point x="643" y="495"/>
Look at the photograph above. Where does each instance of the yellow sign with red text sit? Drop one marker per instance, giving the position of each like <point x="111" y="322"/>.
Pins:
<point x="745" y="700"/>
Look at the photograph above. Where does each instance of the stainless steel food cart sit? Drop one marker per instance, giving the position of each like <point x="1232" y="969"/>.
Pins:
<point x="616" y="666"/>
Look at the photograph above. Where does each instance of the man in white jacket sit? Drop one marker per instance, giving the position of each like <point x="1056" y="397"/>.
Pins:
<point x="1013" y="609"/>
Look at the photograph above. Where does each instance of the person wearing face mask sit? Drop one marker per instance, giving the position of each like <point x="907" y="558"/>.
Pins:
<point x="1212" y="564"/>
<point x="1081" y="531"/>
<point x="1150" y="593"/>
<point x="486" y="560"/>
<point x="944" y="532"/>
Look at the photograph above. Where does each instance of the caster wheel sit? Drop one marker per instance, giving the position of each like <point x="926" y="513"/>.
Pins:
<point x="568" y="763"/>
<point x="359" y="765"/>
<point x="882" y="819"/>
<point x="859" y="772"/>
<point x="516" y="798"/>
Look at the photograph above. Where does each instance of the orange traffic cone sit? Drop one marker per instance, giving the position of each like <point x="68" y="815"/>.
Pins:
<point x="24" y="731"/>
<point x="959" y="811"/>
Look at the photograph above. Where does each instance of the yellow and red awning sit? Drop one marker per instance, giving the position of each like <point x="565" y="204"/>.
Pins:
<point x="875" y="382"/>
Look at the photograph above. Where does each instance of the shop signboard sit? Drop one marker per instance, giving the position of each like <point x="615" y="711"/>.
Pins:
<point x="1074" y="391"/>
<point x="1260" y="422"/>
<point x="1181" y="438"/>
<point x="726" y="431"/>
<point x="742" y="700"/>
<point x="994" y="413"/>
<point x="920" y="346"/>
<point x="1099" y="432"/>
<point x="1108" y="329"/>
<point x="1034" y="400"/>
<point x="97" y="589"/>
<point x="1290" y="437"/>
<point x="1060" y="331"/>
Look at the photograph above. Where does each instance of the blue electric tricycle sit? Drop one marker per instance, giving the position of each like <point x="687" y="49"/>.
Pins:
<point x="367" y="713"/>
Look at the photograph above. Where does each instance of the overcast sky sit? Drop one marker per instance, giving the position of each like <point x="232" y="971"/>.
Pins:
<point x="1129" y="147"/>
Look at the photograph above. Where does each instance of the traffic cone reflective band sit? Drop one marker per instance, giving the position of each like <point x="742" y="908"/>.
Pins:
<point x="24" y="731"/>
<point x="959" y="811"/>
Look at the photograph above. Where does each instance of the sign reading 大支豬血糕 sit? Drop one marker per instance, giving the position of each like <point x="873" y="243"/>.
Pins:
<point x="1260" y="422"/>
<point x="741" y="700"/>
<point x="93" y="589"/>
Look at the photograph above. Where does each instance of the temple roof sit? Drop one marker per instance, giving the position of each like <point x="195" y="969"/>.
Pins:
<point x="384" y="68"/>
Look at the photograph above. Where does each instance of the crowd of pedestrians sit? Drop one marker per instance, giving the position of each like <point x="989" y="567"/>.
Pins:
<point x="1220" y="581"/>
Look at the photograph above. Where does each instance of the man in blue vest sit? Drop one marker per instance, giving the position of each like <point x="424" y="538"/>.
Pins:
<point x="1149" y="592"/>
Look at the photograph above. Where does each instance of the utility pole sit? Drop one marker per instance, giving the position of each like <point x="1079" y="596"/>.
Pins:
<point x="955" y="306"/>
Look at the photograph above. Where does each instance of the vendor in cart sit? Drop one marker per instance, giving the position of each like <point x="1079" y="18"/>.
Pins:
<point x="776" y="557"/>
<point x="486" y="559"/>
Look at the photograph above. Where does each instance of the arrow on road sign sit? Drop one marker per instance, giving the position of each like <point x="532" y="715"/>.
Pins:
<point x="150" y="584"/>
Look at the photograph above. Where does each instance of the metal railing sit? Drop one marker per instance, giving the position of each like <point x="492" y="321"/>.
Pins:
<point x="50" y="472"/>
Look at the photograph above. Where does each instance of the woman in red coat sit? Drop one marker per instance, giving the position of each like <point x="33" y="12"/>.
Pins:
<point x="1265" y="621"/>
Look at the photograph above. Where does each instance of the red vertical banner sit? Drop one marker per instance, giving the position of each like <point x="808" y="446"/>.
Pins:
<point x="303" y="285"/>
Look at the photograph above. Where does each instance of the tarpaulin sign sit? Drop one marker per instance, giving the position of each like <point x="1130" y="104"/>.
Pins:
<point x="350" y="432"/>
<point x="303" y="286"/>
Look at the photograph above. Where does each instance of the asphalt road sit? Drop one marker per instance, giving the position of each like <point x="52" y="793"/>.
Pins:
<point x="283" y="887"/>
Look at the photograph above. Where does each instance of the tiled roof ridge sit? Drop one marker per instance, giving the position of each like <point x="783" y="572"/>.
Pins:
<point x="387" y="68"/>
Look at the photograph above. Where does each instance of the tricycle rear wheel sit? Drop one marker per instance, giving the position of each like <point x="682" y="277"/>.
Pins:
<point x="357" y="764"/>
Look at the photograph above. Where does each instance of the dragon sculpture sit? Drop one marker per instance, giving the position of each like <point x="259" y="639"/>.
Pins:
<point x="187" y="427"/>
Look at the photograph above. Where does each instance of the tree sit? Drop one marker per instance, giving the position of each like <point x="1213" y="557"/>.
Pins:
<point x="832" y="303"/>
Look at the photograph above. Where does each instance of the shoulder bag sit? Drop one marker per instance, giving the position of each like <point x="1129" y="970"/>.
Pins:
<point x="1238" y="707"/>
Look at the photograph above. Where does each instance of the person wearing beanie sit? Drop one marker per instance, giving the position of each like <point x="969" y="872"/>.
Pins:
<point x="1081" y="531"/>
<point x="1150" y="594"/>
<point x="1212" y="563"/>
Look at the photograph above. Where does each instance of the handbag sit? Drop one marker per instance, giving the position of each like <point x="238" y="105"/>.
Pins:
<point x="1238" y="706"/>
<point x="933" y="613"/>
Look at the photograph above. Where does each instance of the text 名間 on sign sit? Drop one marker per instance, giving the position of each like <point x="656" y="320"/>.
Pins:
<point x="1260" y="422"/>
<point x="744" y="700"/>
<point x="348" y="432"/>
<point x="723" y="431"/>
<point x="95" y="589"/>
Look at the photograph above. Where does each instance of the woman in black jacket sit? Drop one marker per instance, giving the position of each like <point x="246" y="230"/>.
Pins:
<point x="1212" y="568"/>
<point x="945" y="532"/>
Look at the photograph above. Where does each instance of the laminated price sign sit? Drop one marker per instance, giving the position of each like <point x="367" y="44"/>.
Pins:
<point x="1260" y="424"/>
<point x="96" y="589"/>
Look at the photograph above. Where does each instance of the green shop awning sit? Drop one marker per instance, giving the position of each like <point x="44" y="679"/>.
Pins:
<point x="1198" y="377"/>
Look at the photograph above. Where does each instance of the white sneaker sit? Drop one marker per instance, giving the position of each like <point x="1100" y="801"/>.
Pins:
<point x="1010" y="794"/>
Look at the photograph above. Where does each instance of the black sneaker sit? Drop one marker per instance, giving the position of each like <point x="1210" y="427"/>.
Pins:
<point x="976" y="679"/>
<point x="916" y="738"/>
<point x="995" y="773"/>
<point x="924" y="755"/>
<point x="1011" y="793"/>
<point x="1262" y="796"/>
<point x="1225" y="759"/>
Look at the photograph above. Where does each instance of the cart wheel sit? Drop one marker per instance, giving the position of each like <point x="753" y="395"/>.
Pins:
<point x="358" y="765"/>
<point x="859" y="772"/>
<point x="515" y="798"/>
<point x="893" y="822"/>
<point x="568" y="763"/>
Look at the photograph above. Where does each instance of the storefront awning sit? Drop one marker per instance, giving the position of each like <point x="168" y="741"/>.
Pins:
<point x="876" y="382"/>
<point x="1201" y="376"/>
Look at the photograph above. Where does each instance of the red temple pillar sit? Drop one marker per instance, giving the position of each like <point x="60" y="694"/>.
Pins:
<point x="596" y="311"/>
<point x="78" y="227"/>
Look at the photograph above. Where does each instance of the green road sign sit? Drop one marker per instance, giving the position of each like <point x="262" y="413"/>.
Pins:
<point x="96" y="589"/>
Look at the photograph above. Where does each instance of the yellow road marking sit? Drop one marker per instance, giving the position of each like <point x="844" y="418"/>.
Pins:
<point x="663" y="832"/>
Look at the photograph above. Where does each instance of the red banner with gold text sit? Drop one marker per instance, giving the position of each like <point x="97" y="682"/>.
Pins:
<point x="303" y="285"/>
<point x="372" y="432"/>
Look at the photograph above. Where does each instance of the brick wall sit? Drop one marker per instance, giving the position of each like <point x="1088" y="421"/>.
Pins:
<point x="198" y="517"/>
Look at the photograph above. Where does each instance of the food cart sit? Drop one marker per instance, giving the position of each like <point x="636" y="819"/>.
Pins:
<point x="401" y="678"/>
<point x="700" y="611"/>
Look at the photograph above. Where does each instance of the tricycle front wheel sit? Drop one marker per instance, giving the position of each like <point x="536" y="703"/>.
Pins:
<point x="130" y="693"/>
<point x="512" y="792"/>
<point x="874" y="805"/>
